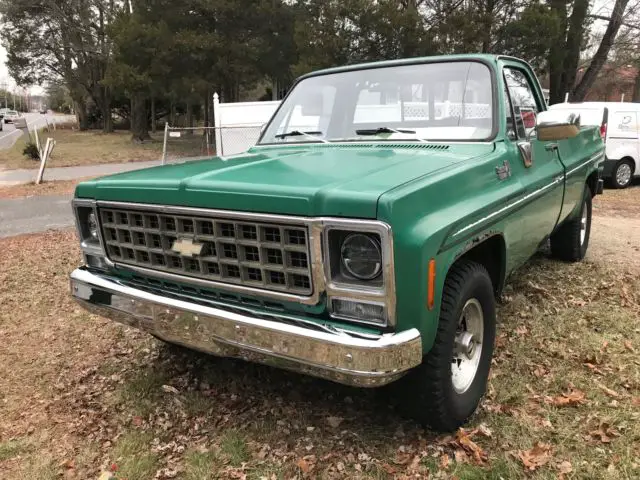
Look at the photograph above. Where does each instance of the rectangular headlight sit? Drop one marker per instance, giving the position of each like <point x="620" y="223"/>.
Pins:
<point x="358" y="267"/>
<point x="87" y="226"/>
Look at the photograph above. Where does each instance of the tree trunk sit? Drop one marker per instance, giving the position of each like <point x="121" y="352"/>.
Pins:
<point x="557" y="53"/>
<point x="81" y="114"/>
<point x="589" y="77"/>
<point x="105" y="108"/>
<point x="575" y="34"/>
<point x="189" y="117"/>
<point x="153" y="114"/>
<point x="139" y="126"/>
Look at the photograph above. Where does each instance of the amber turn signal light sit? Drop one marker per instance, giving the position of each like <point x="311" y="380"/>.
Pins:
<point x="431" y="288"/>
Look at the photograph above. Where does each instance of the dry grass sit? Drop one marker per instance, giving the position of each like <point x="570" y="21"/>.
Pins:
<point x="84" y="148"/>
<point x="79" y="394"/>
<point x="57" y="187"/>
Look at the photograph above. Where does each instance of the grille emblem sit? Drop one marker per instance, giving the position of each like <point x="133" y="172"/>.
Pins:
<point x="187" y="247"/>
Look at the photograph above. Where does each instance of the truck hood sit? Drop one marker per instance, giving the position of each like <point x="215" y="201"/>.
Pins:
<point x="310" y="180"/>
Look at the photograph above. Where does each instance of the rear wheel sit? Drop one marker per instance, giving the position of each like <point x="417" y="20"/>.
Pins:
<point x="445" y="390"/>
<point x="622" y="173"/>
<point x="571" y="240"/>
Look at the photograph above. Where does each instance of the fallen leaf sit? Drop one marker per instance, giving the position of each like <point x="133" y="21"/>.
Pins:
<point x="388" y="468"/>
<point x="444" y="461"/>
<point x="564" y="468"/>
<point x="169" y="389"/>
<point x="628" y="346"/>
<point x="536" y="457"/>
<point x="460" y="456"/>
<point x="574" y="397"/>
<point x="608" y="391"/>
<point x="463" y="439"/>
<point x="484" y="430"/>
<point x="334" y="421"/>
<point x="304" y="465"/>
<point x="604" y="433"/>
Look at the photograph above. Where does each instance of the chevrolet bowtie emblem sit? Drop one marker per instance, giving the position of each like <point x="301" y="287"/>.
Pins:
<point x="187" y="247"/>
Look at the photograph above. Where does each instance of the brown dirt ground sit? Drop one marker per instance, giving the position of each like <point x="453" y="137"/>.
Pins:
<point x="58" y="187"/>
<point x="615" y="236"/>
<point x="80" y="395"/>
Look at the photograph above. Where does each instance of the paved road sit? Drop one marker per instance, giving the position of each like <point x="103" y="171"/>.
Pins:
<point x="16" y="177"/>
<point x="9" y="135"/>
<point x="34" y="214"/>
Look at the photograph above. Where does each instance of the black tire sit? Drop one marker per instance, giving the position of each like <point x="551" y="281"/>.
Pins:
<point x="615" y="181"/>
<point x="427" y="392"/>
<point x="566" y="243"/>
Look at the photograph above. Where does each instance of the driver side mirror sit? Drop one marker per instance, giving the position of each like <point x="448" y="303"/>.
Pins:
<point x="555" y="125"/>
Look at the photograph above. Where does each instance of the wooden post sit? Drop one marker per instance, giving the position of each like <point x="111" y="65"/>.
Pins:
<point x="164" y="144"/>
<point x="217" y="124"/>
<point x="44" y="156"/>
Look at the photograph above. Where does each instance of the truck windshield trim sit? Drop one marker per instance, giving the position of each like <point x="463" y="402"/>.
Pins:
<point x="450" y="100"/>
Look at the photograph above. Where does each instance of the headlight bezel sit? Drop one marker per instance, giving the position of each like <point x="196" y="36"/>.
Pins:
<point x="82" y="209"/>
<point x="380" y="290"/>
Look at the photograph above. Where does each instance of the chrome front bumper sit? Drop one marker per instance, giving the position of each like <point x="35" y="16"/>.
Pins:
<point x="336" y="356"/>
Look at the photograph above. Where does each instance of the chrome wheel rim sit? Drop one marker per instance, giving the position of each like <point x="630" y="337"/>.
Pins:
<point x="583" y="224"/>
<point x="623" y="174"/>
<point x="467" y="346"/>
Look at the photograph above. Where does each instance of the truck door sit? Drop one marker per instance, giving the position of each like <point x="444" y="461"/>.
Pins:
<point x="537" y="164"/>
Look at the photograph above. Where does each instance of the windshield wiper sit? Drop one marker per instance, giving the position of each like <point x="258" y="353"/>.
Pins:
<point x="376" y="131"/>
<point x="298" y="133"/>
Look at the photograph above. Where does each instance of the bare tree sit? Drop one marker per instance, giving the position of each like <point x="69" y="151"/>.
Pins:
<point x="615" y="22"/>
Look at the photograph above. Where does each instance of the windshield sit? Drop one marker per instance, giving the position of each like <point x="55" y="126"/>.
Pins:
<point x="433" y="101"/>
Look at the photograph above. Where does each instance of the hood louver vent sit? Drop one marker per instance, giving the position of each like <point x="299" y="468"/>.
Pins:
<point x="381" y="145"/>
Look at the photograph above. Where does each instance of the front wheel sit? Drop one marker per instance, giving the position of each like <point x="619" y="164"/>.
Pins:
<point x="445" y="390"/>
<point x="571" y="240"/>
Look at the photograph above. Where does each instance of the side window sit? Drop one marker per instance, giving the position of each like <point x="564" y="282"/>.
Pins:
<point x="523" y="100"/>
<point x="511" y="128"/>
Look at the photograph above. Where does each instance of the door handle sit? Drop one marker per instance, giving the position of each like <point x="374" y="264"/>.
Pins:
<point x="550" y="147"/>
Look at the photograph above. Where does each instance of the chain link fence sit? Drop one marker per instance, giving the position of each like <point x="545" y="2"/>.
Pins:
<point x="187" y="143"/>
<point x="192" y="143"/>
<point x="237" y="138"/>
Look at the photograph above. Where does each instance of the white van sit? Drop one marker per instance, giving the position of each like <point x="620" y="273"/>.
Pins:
<point x="620" y="128"/>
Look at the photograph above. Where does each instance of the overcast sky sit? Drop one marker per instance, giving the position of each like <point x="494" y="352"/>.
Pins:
<point x="602" y="7"/>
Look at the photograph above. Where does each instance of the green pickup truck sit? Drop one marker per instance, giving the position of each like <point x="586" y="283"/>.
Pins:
<point x="366" y="236"/>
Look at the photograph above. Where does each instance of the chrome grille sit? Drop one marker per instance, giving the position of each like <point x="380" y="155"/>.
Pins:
<point x="254" y="254"/>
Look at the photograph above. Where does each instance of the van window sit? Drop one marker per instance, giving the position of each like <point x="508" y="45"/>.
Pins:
<point x="623" y="124"/>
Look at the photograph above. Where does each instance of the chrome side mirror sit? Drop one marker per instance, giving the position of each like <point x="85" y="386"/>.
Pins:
<point x="554" y="125"/>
